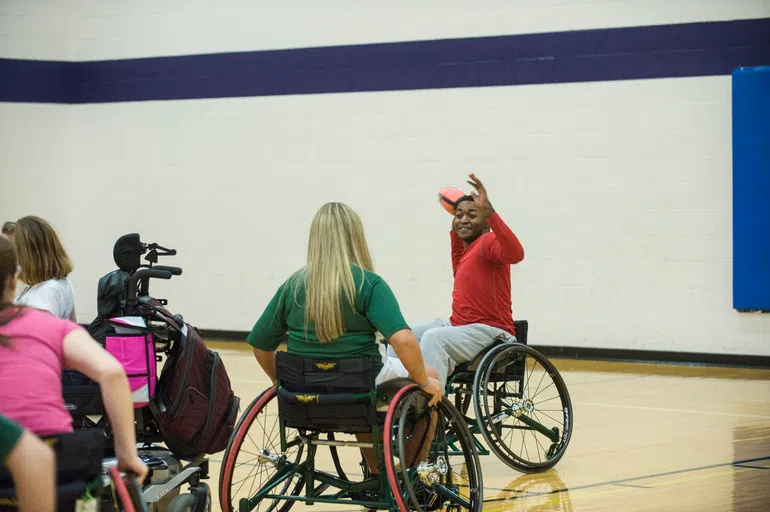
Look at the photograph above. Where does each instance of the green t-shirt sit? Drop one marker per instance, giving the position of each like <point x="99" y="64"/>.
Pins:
<point x="376" y="309"/>
<point x="10" y="432"/>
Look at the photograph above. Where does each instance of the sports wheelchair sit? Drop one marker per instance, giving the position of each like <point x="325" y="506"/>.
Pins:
<point x="512" y="410"/>
<point x="124" y="305"/>
<point x="317" y="400"/>
<point x="521" y="406"/>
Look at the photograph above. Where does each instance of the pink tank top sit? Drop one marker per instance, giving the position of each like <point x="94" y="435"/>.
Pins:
<point x="30" y="372"/>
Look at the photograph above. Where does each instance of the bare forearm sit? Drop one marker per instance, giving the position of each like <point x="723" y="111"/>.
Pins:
<point x="267" y="361"/>
<point x="408" y="352"/>
<point x="119" y="407"/>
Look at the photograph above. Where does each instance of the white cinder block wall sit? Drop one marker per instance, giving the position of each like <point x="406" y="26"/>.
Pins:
<point x="114" y="29"/>
<point x="35" y="165"/>
<point x="35" y="29"/>
<point x="620" y="191"/>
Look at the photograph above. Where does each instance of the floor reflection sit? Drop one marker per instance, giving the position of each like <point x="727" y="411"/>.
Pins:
<point x="751" y="475"/>
<point x="541" y="492"/>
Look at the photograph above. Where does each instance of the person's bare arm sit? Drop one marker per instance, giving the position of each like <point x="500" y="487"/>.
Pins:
<point x="266" y="360"/>
<point x="85" y="355"/>
<point x="33" y="467"/>
<point x="407" y="349"/>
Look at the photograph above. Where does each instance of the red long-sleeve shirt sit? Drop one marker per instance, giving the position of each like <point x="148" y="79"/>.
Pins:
<point x="482" y="272"/>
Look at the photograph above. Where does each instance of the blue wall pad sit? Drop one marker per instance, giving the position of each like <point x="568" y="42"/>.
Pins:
<point x="625" y="53"/>
<point x="751" y="188"/>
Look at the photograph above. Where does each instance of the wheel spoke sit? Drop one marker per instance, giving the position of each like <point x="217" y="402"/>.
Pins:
<point x="498" y="409"/>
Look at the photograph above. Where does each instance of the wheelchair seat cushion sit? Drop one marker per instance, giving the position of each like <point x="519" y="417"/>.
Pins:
<point x="387" y="390"/>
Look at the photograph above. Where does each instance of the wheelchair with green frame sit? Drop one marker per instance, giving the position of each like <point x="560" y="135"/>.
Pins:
<point x="272" y="460"/>
<point x="515" y="399"/>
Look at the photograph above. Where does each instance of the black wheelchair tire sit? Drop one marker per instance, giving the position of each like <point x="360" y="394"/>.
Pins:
<point x="396" y="415"/>
<point x="492" y="437"/>
<point x="245" y="421"/>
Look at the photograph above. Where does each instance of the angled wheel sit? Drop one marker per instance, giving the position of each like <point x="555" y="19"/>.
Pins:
<point x="445" y="474"/>
<point x="523" y="408"/>
<point x="254" y="456"/>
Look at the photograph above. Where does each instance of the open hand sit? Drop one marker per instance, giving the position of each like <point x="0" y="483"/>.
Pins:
<point x="480" y="196"/>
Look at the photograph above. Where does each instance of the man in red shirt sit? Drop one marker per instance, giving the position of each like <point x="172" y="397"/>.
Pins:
<point x="483" y="250"/>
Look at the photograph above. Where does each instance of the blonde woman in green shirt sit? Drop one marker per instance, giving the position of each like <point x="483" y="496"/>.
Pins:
<point x="335" y="305"/>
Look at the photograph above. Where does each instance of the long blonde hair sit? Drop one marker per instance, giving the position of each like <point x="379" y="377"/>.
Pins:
<point x="336" y="243"/>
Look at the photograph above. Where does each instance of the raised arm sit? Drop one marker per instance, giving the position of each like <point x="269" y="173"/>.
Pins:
<point x="505" y="246"/>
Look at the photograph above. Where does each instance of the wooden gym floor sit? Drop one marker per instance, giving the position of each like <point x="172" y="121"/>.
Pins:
<point x="646" y="437"/>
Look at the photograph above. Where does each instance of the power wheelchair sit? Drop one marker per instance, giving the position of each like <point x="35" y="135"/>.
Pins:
<point x="125" y="293"/>
<point x="500" y="396"/>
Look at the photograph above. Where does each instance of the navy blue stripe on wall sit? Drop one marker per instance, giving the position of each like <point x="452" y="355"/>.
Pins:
<point x="37" y="81"/>
<point x="667" y="51"/>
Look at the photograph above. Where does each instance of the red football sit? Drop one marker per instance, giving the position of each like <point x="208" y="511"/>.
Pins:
<point x="448" y="198"/>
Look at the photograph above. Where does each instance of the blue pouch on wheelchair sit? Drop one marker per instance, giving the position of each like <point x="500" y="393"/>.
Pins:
<point x="326" y="394"/>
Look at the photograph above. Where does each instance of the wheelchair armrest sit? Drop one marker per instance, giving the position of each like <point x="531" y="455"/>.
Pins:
<point x="323" y="399"/>
<point x="175" y="271"/>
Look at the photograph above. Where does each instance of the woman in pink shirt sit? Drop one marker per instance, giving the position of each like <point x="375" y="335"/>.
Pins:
<point x="34" y="347"/>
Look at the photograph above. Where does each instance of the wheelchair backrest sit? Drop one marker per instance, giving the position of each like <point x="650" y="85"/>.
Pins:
<point x="335" y="395"/>
<point x="521" y="326"/>
<point x="512" y="367"/>
<point x="328" y="376"/>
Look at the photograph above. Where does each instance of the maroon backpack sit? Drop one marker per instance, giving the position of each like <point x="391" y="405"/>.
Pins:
<point x="195" y="407"/>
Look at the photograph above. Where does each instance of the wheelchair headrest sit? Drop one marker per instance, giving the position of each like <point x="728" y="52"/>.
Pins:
<point x="128" y="251"/>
